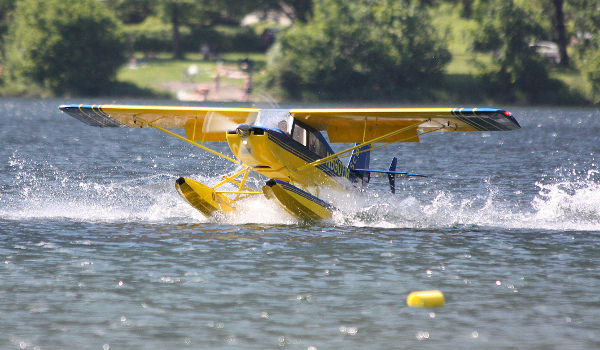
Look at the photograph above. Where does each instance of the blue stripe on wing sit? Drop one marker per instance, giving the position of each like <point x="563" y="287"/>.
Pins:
<point x="91" y="115"/>
<point x="486" y="119"/>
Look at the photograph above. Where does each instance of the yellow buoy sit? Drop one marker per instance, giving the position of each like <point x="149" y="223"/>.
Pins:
<point x="426" y="298"/>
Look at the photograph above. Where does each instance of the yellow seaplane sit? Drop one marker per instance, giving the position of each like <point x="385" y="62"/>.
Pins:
<point x="288" y="147"/>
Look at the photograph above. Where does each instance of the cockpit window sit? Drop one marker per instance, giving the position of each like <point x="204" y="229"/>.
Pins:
<point x="274" y="119"/>
<point x="315" y="145"/>
<point x="310" y="138"/>
<point x="299" y="134"/>
<point x="303" y="134"/>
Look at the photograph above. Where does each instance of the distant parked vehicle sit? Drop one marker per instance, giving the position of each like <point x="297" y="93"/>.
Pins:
<point x="548" y="50"/>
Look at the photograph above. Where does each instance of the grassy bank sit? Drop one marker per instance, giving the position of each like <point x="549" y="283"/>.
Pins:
<point x="462" y="82"/>
<point x="161" y="76"/>
<point x="165" y="76"/>
<point x="187" y="79"/>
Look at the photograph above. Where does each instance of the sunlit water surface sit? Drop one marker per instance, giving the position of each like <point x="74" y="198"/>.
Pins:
<point x="97" y="250"/>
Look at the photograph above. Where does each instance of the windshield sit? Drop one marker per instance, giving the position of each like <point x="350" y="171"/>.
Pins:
<point x="275" y="119"/>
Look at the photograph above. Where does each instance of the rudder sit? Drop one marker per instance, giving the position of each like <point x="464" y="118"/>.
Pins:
<point x="360" y="159"/>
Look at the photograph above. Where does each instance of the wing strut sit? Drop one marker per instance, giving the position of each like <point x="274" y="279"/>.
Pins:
<point x="389" y="143"/>
<point x="328" y="158"/>
<point x="186" y="140"/>
<point x="242" y="188"/>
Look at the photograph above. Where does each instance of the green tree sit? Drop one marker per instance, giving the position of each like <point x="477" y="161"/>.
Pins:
<point x="6" y="9"/>
<point x="590" y="67"/>
<point x="357" y="49"/>
<point x="507" y="30"/>
<point x="181" y="12"/>
<point x="67" y="46"/>
<point x="198" y="16"/>
<point x="466" y="6"/>
<point x="297" y="10"/>
<point x="584" y="15"/>
<point x="132" y="12"/>
<point x="565" y="19"/>
<point x="561" y="31"/>
<point x="585" y="19"/>
<point x="552" y="17"/>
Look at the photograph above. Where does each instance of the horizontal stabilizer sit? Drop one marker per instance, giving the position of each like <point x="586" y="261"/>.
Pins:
<point x="383" y="173"/>
<point x="391" y="174"/>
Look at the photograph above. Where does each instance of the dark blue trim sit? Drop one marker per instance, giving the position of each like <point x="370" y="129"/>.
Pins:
<point x="287" y="143"/>
<point x="289" y="187"/>
<point x="486" y="119"/>
<point x="91" y="115"/>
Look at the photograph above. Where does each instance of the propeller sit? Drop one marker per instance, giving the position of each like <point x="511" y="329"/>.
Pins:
<point x="216" y="122"/>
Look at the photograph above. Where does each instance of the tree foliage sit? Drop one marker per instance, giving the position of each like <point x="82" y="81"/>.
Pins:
<point x="361" y="48"/>
<point x="334" y="48"/>
<point x="507" y="30"/>
<point x="199" y="13"/>
<point x="68" y="46"/>
<point x="584" y="15"/>
<point x="585" y="18"/>
<point x="590" y="66"/>
<point x="297" y="10"/>
<point x="6" y="9"/>
<point x="132" y="12"/>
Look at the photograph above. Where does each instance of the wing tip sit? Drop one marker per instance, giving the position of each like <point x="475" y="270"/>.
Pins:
<point x="488" y="119"/>
<point x="91" y="115"/>
<point x="65" y="107"/>
<point x="77" y="107"/>
<point x="513" y="121"/>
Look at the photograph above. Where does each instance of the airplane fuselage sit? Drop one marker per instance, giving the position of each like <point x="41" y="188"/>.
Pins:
<point x="276" y="155"/>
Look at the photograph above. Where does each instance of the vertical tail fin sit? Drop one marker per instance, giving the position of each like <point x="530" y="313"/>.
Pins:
<point x="360" y="159"/>
<point x="392" y="176"/>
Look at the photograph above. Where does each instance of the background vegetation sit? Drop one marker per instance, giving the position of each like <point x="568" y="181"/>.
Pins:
<point x="358" y="49"/>
<point x="391" y="50"/>
<point x="64" y="45"/>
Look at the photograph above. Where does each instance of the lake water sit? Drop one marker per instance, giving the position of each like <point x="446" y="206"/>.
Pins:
<point x="97" y="250"/>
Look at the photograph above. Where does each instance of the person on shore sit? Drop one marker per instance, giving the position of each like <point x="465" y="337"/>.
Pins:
<point x="247" y="89"/>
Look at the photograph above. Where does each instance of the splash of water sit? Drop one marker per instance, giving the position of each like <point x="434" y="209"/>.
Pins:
<point x="570" y="204"/>
<point x="43" y="192"/>
<point x="560" y="205"/>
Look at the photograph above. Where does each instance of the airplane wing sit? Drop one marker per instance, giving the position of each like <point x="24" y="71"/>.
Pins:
<point x="342" y="125"/>
<point x="360" y="125"/>
<point x="200" y="123"/>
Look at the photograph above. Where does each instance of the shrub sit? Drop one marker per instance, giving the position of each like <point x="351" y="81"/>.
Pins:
<point x="357" y="49"/>
<point x="519" y="72"/>
<point x="67" y="46"/>
<point x="153" y="35"/>
<point x="590" y="67"/>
